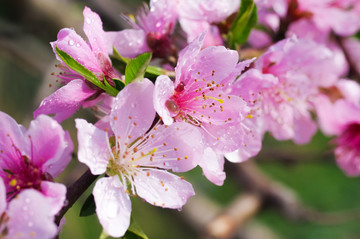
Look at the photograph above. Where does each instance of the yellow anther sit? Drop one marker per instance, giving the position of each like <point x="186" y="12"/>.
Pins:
<point x="13" y="183"/>
<point x="249" y="116"/>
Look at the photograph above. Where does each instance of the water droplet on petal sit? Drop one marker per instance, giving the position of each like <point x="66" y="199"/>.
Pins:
<point x="88" y="20"/>
<point x="77" y="45"/>
<point x="71" y="42"/>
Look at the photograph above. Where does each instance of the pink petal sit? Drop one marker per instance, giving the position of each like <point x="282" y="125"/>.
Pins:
<point x="66" y="100"/>
<point x="94" y="148"/>
<point x="133" y="111"/>
<point x="304" y="129"/>
<point x="348" y="160"/>
<point x="252" y="133"/>
<point x="11" y="139"/>
<point x="31" y="216"/>
<point x="179" y="146"/>
<point x="164" y="89"/>
<point x="129" y="42"/>
<point x="163" y="189"/>
<point x="55" y="193"/>
<point x="70" y="42"/>
<point x="212" y="165"/>
<point x="94" y="31"/>
<point x="48" y="142"/>
<point x="187" y="57"/>
<point x="113" y="205"/>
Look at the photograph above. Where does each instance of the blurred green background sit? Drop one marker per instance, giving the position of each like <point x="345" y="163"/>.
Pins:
<point x="309" y="171"/>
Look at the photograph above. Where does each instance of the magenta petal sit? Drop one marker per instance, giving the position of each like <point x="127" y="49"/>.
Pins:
<point x="66" y="100"/>
<point x="163" y="189"/>
<point x="55" y="193"/>
<point x="164" y="89"/>
<point x="73" y="44"/>
<point x="348" y="160"/>
<point x="113" y="206"/>
<point x="133" y="111"/>
<point x="130" y="42"/>
<point x="94" y="148"/>
<point x="48" y="143"/>
<point x="212" y="165"/>
<point x="31" y="216"/>
<point x="94" y="31"/>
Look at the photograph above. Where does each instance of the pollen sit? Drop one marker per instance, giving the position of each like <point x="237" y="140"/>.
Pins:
<point x="130" y="117"/>
<point x="148" y="174"/>
<point x="115" y="118"/>
<point x="186" y="157"/>
<point x="249" y="116"/>
<point x="134" y="123"/>
<point x="13" y="183"/>
<point x="182" y="178"/>
<point x="164" y="144"/>
<point x="175" y="149"/>
<point x="178" y="159"/>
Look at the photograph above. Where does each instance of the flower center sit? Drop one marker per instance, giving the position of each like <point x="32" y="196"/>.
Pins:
<point x="350" y="137"/>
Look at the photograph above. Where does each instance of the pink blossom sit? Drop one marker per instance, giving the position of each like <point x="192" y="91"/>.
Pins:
<point x="93" y="55"/>
<point x="342" y="102"/>
<point x="152" y="31"/>
<point x="200" y="97"/>
<point x="136" y="158"/>
<point x="198" y="16"/>
<point x="301" y="67"/>
<point x="28" y="215"/>
<point x="32" y="158"/>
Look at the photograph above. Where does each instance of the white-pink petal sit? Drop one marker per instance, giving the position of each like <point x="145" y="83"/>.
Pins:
<point x="113" y="205"/>
<point x="161" y="188"/>
<point x="94" y="148"/>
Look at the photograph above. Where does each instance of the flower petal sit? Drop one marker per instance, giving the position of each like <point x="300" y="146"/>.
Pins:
<point x="73" y="44"/>
<point x="66" y="100"/>
<point x="163" y="189"/>
<point x="31" y="216"/>
<point x="164" y="89"/>
<point x="94" y="147"/>
<point x="94" y="31"/>
<point x="130" y="42"/>
<point x="2" y="196"/>
<point x="49" y="143"/>
<point x="55" y="193"/>
<point x="178" y="147"/>
<point x="212" y="165"/>
<point x="133" y="112"/>
<point x="113" y="206"/>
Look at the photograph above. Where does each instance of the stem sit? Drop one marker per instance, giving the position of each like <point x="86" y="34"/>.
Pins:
<point x="74" y="191"/>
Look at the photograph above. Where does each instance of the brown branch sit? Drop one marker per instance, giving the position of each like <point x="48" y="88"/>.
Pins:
<point x="74" y="191"/>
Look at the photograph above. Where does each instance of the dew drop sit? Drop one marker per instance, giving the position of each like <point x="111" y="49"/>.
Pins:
<point x="77" y="45"/>
<point x="71" y="42"/>
<point x="88" y="20"/>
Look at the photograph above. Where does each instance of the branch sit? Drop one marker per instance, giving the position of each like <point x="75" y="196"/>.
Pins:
<point x="74" y="191"/>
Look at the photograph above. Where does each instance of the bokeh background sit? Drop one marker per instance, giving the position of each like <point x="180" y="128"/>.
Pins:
<point x="287" y="191"/>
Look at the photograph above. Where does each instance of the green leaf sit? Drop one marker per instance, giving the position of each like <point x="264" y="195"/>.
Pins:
<point x="119" y="85"/>
<point x="135" y="69"/>
<point x="244" y="21"/>
<point x="88" y="208"/>
<point x="84" y="72"/>
<point x="134" y="231"/>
